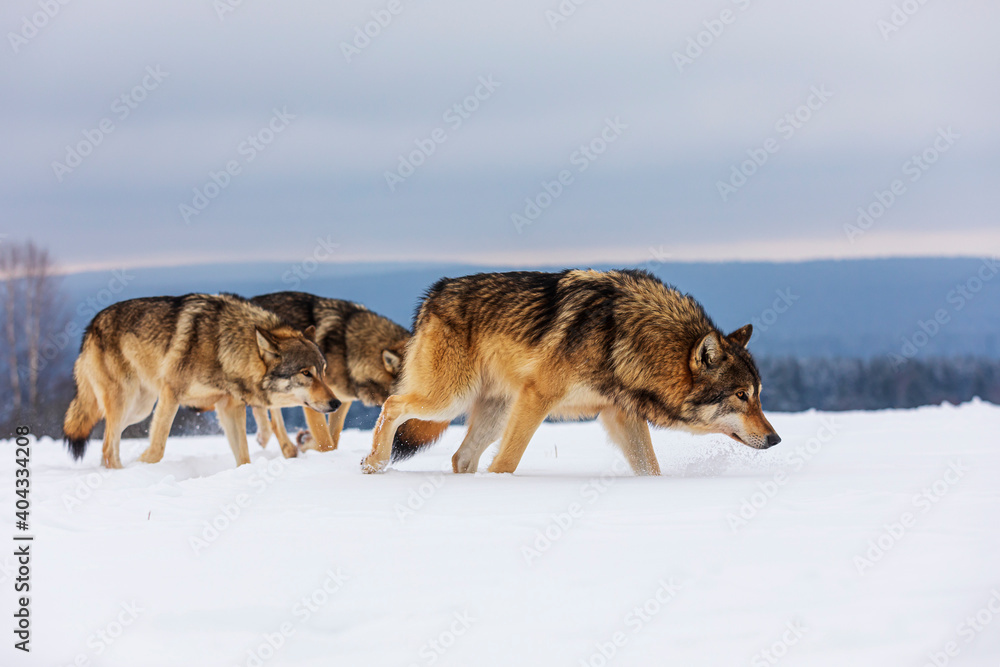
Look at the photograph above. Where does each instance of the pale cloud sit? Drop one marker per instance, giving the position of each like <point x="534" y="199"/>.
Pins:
<point x="657" y="186"/>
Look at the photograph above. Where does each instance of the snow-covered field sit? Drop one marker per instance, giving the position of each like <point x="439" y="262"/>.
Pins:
<point x="862" y="539"/>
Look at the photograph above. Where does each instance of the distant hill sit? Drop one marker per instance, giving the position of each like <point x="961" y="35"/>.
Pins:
<point x="854" y="308"/>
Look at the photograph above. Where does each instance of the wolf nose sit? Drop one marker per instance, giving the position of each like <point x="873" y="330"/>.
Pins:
<point x="333" y="405"/>
<point x="773" y="439"/>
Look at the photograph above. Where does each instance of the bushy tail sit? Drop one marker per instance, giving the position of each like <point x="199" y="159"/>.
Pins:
<point x="81" y="417"/>
<point x="414" y="435"/>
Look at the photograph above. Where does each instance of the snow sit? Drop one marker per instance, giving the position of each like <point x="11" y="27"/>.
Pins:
<point x="421" y="567"/>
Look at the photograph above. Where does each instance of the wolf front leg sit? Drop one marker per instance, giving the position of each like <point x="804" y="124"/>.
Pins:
<point x="318" y="431"/>
<point x="631" y="434"/>
<point x="288" y="449"/>
<point x="263" y="425"/>
<point x="337" y="421"/>
<point x="233" y="417"/>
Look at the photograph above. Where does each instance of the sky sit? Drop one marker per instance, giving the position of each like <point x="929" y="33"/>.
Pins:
<point x="190" y="131"/>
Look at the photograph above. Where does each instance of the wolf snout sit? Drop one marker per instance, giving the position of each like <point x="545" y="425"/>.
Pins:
<point x="772" y="439"/>
<point x="328" y="406"/>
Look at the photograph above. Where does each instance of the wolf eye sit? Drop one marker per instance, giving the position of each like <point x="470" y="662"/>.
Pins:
<point x="307" y="372"/>
<point x="742" y="395"/>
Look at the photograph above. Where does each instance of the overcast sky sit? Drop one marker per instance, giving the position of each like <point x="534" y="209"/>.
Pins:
<point x="338" y="111"/>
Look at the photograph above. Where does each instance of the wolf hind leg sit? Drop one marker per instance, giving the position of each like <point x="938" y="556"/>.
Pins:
<point x="395" y="411"/>
<point x="163" y="418"/>
<point x="114" y="423"/>
<point x="631" y="434"/>
<point x="486" y="420"/>
<point x="438" y="376"/>
<point x="527" y="413"/>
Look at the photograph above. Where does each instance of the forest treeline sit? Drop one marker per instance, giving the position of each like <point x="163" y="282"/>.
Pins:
<point x="37" y="351"/>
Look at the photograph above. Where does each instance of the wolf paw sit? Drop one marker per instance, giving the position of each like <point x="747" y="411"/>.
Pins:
<point x="370" y="465"/>
<point x="149" y="457"/>
<point x="304" y="439"/>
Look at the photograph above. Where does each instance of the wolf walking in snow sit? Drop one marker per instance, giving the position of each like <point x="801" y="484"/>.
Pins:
<point x="209" y="352"/>
<point x="510" y="349"/>
<point x="363" y="351"/>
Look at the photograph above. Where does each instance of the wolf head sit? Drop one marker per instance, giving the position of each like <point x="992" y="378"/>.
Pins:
<point x="294" y="369"/>
<point x="725" y="393"/>
<point x="375" y="348"/>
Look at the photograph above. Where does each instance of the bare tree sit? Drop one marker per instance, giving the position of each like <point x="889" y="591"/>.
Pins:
<point x="31" y="304"/>
<point x="10" y="267"/>
<point x="39" y="299"/>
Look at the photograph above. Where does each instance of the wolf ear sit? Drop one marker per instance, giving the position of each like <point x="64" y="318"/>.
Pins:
<point x="267" y="345"/>
<point x="741" y="336"/>
<point x="707" y="352"/>
<point x="392" y="361"/>
<point x="310" y="333"/>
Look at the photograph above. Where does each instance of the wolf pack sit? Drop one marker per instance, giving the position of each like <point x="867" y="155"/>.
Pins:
<point x="505" y="350"/>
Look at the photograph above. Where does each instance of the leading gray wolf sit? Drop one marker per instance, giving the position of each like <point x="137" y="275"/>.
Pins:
<point x="210" y="352"/>
<point x="363" y="352"/>
<point x="510" y="349"/>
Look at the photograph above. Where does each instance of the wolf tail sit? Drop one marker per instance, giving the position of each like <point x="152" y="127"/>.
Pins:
<point x="81" y="417"/>
<point x="414" y="435"/>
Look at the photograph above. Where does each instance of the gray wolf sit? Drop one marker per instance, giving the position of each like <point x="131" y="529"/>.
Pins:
<point x="363" y="351"/>
<point x="210" y="352"/>
<point x="510" y="349"/>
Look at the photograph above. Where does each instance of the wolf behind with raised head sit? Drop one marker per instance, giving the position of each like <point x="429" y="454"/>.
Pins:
<point x="210" y="352"/>
<point x="510" y="349"/>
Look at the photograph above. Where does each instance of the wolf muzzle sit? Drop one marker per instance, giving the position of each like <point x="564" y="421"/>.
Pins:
<point x="330" y="406"/>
